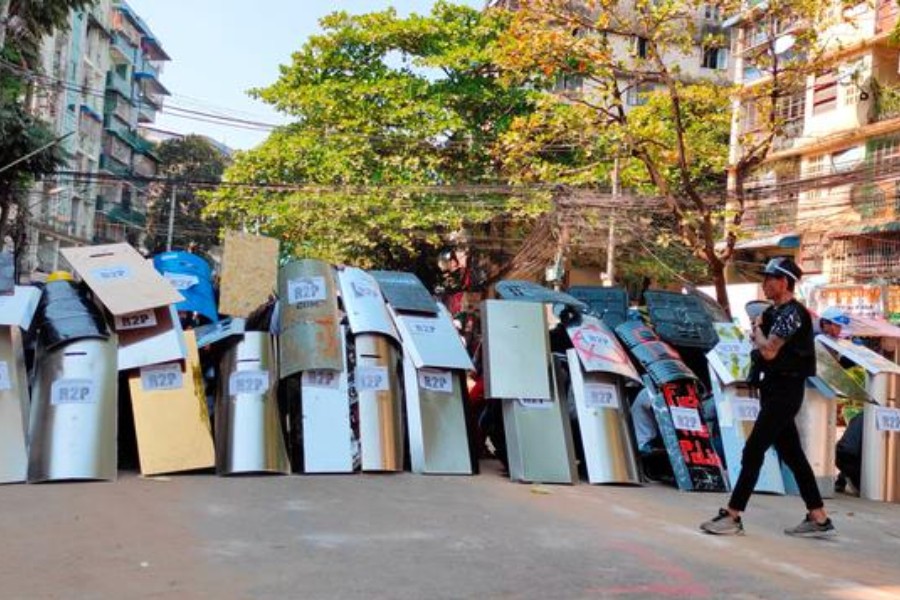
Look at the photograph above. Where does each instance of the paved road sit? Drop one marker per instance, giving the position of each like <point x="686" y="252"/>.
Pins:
<point x="407" y="536"/>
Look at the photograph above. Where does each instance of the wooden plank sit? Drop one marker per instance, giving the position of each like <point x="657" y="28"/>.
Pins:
<point x="249" y="272"/>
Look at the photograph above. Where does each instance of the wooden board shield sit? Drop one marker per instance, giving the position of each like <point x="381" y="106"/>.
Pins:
<point x="171" y="419"/>
<point x="249" y="273"/>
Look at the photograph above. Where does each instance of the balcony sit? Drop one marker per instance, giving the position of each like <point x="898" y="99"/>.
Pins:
<point x="789" y="133"/>
<point x="111" y="165"/>
<point x="146" y="112"/>
<point x="122" y="51"/>
<point x="121" y="85"/>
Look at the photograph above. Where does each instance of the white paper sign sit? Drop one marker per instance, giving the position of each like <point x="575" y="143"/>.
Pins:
<point x="138" y="320"/>
<point x="5" y="381"/>
<point x="541" y="403"/>
<point x="73" y="391"/>
<point x="116" y="273"/>
<point x="373" y="379"/>
<point x="745" y="409"/>
<point x="254" y="383"/>
<point x="162" y="377"/>
<point x="306" y="289"/>
<point x="686" y="419"/>
<point x="329" y="380"/>
<point x="601" y="395"/>
<point x="436" y="381"/>
<point x="887" y="419"/>
<point x="422" y="326"/>
<point x="181" y="281"/>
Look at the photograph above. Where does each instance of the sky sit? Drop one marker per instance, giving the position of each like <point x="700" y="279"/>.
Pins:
<point x="222" y="48"/>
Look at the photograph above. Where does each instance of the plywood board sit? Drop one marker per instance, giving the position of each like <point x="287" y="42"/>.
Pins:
<point x="123" y="280"/>
<point x="172" y="425"/>
<point x="249" y="273"/>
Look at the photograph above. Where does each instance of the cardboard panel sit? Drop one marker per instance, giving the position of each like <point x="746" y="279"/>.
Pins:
<point x="730" y="358"/>
<point x="19" y="308"/>
<point x="249" y="273"/>
<point x="432" y="341"/>
<point x="171" y="420"/>
<point x="516" y="350"/>
<point x="140" y="345"/>
<point x="121" y="278"/>
<point x="216" y="332"/>
<point x="309" y="318"/>
<point x="14" y="403"/>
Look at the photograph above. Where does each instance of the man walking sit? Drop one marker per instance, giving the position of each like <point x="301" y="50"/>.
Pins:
<point x="784" y="347"/>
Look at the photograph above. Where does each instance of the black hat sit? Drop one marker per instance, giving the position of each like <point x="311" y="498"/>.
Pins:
<point x="782" y="267"/>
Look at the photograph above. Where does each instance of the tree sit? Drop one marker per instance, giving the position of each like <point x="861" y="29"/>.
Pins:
<point x="676" y="146"/>
<point x="186" y="162"/>
<point x="27" y="148"/>
<point x="395" y="120"/>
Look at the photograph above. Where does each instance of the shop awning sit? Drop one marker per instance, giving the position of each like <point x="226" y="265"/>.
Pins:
<point x="777" y="240"/>
<point x="867" y="228"/>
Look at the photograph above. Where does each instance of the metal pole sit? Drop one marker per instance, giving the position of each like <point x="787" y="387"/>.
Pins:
<point x="171" y="220"/>
<point x="611" y="242"/>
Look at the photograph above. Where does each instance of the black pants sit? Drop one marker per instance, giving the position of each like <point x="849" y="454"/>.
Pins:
<point x="780" y="400"/>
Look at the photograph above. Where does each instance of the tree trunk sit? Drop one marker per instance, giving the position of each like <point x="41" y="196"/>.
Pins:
<point x="717" y="270"/>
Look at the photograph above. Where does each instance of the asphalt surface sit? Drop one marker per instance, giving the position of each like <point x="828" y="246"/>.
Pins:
<point x="409" y="536"/>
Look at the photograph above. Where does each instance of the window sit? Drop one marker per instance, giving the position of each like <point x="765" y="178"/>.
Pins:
<point x="790" y="108"/>
<point x="818" y="165"/>
<point x="824" y="92"/>
<point x="640" y="46"/>
<point x="636" y="94"/>
<point x="715" y="58"/>
<point x="884" y="150"/>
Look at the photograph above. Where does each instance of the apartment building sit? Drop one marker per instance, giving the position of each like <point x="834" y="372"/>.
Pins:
<point x="100" y="80"/>
<point x="829" y="191"/>
<point x="70" y="96"/>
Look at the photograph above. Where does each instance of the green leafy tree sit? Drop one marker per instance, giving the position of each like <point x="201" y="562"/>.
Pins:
<point x="189" y="163"/>
<point x="395" y="120"/>
<point x="676" y="146"/>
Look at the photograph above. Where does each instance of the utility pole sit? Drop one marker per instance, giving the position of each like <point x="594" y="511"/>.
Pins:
<point x="611" y="242"/>
<point x="171" y="220"/>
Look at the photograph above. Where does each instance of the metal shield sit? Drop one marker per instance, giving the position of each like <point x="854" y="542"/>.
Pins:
<point x="248" y="435"/>
<point x="328" y="440"/>
<point x="736" y="412"/>
<point x="72" y="429"/>
<point x="171" y="419"/>
<point x="516" y="350"/>
<point x="438" y="441"/>
<point x="599" y="350"/>
<point x="603" y="424"/>
<point x="539" y="439"/>
<point x="817" y="424"/>
<point x="680" y="319"/>
<point x="405" y="292"/>
<point x="609" y="303"/>
<point x="528" y="291"/>
<point x="150" y="337"/>
<point x="14" y="405"/>
<point x="364" y="304"/>
<point x="309" y="319"/>
<point x="432" y="341"/>
<point x="380" y="397"/>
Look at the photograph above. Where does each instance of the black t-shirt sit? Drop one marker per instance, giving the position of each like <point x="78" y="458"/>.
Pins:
<point x="792" y="323"/>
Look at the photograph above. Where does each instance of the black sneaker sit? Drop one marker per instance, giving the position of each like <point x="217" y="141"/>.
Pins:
<point x="810" y="529"/>
<point x="723" y="524"/>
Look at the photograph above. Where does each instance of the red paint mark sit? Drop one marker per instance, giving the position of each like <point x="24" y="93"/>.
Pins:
<point x="676" y="581"/>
